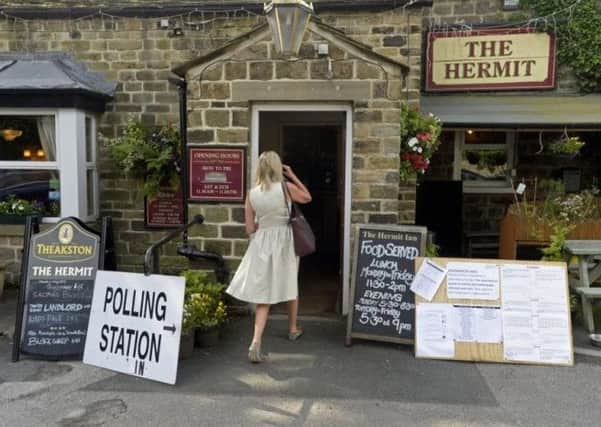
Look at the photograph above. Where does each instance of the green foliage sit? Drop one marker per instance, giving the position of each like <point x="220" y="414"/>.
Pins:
<point x="13" y="205"/>
<point x="486" y="159"/>
<point x="151" y="155"/>
<point x="432" y="250"/>
<point x="578" y="37"/>
<point x="566" y="146"/>
<point x="419" y="141"/>
<point x="204" y="308"/>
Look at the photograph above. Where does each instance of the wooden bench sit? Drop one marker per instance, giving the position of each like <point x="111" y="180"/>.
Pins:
<point x="588" y="253"/>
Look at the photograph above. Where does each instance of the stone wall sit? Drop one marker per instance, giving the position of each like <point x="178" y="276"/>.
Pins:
<point x="139" y="56"/>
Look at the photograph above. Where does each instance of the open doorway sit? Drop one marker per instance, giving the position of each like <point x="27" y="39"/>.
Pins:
<point x="312" y="143"/>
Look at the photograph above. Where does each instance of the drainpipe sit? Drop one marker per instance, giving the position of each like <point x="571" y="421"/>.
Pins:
<point x="182" y="88"/>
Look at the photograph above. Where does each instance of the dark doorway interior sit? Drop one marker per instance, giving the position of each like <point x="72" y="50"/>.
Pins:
<point x="314" y="150"/>
<point x="439" y="207"/>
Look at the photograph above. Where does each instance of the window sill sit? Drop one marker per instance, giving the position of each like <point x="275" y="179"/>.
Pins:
<point x="486" y="190"/>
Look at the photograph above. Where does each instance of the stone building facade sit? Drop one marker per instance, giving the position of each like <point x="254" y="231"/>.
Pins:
<point x="376" y="52"/>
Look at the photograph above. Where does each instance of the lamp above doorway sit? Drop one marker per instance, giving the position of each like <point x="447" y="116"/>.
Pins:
<point x="288" y="20"/>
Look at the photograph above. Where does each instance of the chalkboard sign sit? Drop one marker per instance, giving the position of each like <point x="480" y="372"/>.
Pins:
<point x="57" y="285"/>
<point x="382" y="305"/>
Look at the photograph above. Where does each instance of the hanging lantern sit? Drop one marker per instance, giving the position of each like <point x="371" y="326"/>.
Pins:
<point x="288" y="20"/>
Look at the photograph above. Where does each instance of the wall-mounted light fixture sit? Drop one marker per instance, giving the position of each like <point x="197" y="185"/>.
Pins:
<point x="27" y="153"/>
<point x="288" y="21"/>
<point x="10" y="134"/>
<point x="40" y="153"/>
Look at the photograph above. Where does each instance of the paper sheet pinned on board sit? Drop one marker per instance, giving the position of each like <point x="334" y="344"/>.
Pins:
<point x="536" y="325"/>
<point x="472" y="280"/>
<point x="481" y="324"/>
<point x="428" y="279"/>
<point x="434" y="336"/>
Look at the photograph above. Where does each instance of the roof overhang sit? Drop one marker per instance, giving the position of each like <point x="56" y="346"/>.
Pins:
<point x="51" y="80"/>
<point x="515" y="110"/>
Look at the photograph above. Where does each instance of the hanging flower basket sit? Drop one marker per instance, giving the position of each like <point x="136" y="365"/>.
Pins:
<point x="151" y="155"/>
<point x="419" y="141"/>
<point x="567" y="147"/>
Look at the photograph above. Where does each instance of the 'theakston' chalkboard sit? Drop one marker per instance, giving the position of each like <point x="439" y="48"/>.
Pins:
<point x="58" y="288"/>
<point x="382" y="305"/>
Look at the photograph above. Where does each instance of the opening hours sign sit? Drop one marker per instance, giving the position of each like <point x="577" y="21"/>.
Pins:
<point x="506" y="59"/>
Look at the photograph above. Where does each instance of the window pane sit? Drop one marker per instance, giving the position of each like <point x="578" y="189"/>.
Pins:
<point x="91" y="188"/>
<point x="484" y="165"/>
<point x="39" y="187"/>
<point x="27" y="138"/>
<point x="89" y="140"/>
<point x="484" y="156"/>
<point x="476" y="137"/>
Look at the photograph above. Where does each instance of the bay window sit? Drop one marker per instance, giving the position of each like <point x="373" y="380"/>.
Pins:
<point x="48" y="158"/>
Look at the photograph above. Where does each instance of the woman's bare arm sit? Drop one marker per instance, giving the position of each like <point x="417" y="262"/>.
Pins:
<point x="298" y="192"/>
<point x="249" y="217"/>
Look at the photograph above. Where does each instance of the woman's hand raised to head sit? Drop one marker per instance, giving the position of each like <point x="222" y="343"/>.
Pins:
<point x="298" y="192"/>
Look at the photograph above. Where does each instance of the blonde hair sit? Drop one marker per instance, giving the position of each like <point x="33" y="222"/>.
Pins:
<point x="269" y="170"/>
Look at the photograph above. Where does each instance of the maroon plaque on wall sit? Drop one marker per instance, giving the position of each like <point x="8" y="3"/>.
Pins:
<point x="216" y="174"/>
<point x="166" y="210"/>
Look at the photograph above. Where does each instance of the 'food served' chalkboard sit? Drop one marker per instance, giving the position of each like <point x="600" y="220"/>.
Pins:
<point x="382" y="306"/>
<point x="57" y="288"/>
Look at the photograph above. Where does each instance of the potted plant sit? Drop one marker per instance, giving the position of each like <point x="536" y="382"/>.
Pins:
<point x="205" y="307"/>
<point x="186" y="344"/>
<point x="568" y="146"/>
<point x="151" y="155"/>
<point x="419" y="141"/>
<point x="14" y="210"/>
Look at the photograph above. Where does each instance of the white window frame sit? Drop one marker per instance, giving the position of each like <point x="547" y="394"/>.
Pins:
<point x="488" y="187"/>
<point x="70" y="159"/>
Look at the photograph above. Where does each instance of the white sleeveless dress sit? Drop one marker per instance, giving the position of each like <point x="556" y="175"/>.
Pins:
<point x="268" y="273"/>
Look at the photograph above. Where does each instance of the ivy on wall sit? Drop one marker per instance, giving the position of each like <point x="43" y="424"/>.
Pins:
<point x="578" y="32"/>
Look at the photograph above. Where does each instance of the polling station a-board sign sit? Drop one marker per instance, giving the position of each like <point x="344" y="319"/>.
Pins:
<point x="382" y="305"/>
<point x="57" y="283"/>
<point x="501" y="311"/>
<point x="135" y="324"/>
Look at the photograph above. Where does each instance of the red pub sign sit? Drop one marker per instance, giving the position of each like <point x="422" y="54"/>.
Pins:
<point x="166" y="210"/>
<point x="216" y="174"/>
<point x="486" y="59"/>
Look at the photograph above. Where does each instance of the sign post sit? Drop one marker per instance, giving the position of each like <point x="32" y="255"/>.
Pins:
<point x="57" y="282"/>
<point x="135" y="324"/>
<point x="382" y="305"/>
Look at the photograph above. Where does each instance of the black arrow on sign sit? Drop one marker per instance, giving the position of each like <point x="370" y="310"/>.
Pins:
<point x="169" y="328"/>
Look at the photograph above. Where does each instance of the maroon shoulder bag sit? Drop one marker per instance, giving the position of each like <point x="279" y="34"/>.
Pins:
<point x="304" y="239"/>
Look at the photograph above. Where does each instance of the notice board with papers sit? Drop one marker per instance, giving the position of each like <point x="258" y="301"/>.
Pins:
<point x="496" y="311"/>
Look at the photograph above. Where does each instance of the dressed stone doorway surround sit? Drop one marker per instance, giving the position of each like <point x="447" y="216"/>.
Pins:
<point x="257" y="108"/>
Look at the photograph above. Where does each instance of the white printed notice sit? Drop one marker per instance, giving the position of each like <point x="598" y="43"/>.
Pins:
<point x="434" y="334"/>
<point x="135" y="324"/>
<point x="472" y="280"/>
<point x="481" y="324"/>
<point x="428" y="279"/>
<point x="536" y="325"/>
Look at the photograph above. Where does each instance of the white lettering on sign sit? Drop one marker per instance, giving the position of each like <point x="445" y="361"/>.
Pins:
<point x="135" y="324"/>
<point x="368" y="247"/>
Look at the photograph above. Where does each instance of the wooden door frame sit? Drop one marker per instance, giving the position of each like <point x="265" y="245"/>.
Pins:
<point x="257" y="108"/>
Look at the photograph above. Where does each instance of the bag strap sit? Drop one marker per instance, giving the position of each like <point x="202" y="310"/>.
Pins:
<point x="286" y="197"/>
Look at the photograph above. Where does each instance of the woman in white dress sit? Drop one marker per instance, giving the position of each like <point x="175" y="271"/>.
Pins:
<point x="268" y="272"/>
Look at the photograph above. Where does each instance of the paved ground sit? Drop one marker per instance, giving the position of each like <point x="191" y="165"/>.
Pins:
<point x="315" y="382"/>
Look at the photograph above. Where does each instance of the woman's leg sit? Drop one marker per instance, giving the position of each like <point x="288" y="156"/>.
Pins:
<point x="292" y="315"/>
<point x="261" y="314"/>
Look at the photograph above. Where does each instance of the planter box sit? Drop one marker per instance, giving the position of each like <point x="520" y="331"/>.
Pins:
<point x="518" y="230"/>
<point x="12" y="219"/>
